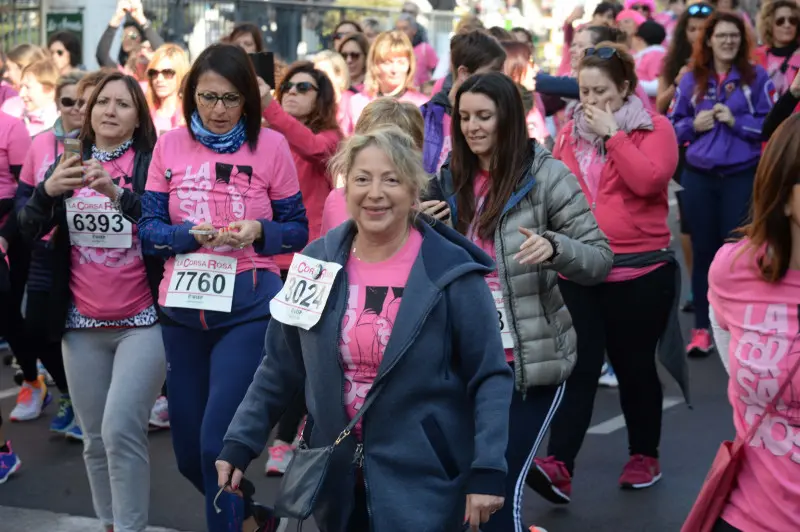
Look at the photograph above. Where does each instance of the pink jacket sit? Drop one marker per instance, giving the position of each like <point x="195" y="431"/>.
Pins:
<point x="426" y="63"/>
<point x="311" y="153"/>
<point x="631" y="205"/>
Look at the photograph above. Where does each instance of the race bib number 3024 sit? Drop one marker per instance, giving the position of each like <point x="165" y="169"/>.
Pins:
<point x="202" y="281"/>
<point x="304" y="295"/>
<point x="93" y="222"/>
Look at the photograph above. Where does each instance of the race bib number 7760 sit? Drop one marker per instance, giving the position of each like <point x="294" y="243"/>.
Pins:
<point x="304" y="295"/>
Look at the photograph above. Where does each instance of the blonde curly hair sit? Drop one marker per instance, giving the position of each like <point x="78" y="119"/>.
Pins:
<point x="766" y="19"/>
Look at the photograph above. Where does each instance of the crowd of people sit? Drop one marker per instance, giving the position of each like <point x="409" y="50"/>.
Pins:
<point x="187" y="247"/>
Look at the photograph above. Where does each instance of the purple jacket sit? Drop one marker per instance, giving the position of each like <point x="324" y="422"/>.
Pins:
<point x="723" y="149"/>
<point x="433" y="114"/>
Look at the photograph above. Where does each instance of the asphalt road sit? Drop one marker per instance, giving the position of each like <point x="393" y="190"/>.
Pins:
<point x="53" y="480"/>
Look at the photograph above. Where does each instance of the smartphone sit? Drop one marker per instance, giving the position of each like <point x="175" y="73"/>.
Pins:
<point x="207" y="232"/>
<point x="264" y="65"/>
<point x="73" y="147"/>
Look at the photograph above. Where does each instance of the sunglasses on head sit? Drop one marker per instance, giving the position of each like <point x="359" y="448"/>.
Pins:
<point x="604" y="52"/>
<point x="702" y="10"/>
<point x="302" y="87"/>
<point x="168" y="73"/>
<point x="780" y="21"/>
<point x="351" y="55"/>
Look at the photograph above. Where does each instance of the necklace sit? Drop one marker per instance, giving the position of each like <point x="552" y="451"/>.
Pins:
<point x="402" y="243"/>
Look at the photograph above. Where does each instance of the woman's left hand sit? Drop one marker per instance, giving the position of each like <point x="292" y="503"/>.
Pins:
<point x="480" y="508"/>
<point x="266" y="93"/>
<point x="535" y="250"/>
<point x="244" y="232"/>
<point x="722" y="113"/>
<point x="98" y="179"/>
<point x="601" y="122"/>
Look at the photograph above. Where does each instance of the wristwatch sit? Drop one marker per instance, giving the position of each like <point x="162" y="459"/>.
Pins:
<point x="117" y="203"/>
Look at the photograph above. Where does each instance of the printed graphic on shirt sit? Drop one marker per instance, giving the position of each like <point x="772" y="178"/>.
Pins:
<point x="763" y="356"/>
<point x="366" y="328"/>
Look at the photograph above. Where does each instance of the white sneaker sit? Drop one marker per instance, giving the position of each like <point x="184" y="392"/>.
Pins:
<point x="31" y="400"/>
<point x="608" y="378"/>
<point x="159" y="415"/>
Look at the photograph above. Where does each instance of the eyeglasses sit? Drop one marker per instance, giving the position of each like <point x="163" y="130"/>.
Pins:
<point x="351" y="55"/>
<point x="230" y="100"/>
<point x="702" y="10"/>
<point x="604" y="52"/>
<point x="727" y="37"/>
<point x="168" y="73"/>
<point x="69" y="102"/>
<point x="302" y="87"/>
<point x="780" y="21"/>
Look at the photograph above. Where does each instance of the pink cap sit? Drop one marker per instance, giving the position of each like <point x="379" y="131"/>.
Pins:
<point x="635" y="16"/>
<point x="649" y="3"/>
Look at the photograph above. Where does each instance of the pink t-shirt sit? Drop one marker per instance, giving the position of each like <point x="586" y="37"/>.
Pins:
<point x="36" y="121"/>
<point x="482" y="185"/>
<point x="220" y="188"/>
<point x="375" y="292"/>
<point x="762" y="319"/>
<point x="166" y="123"/>
<point x="782" y="80"/>
<point x="12" y="153"/>
<point x="334" y="212"/>
<point x="359" y="101"/>
<point x="426" y="63"/>
<point x="108" y="283"/>
<point x="43" y="152"/>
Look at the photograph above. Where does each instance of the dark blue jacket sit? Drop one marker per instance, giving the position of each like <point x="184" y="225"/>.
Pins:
<point x="439" y="428"/>
<point x="723" y="150"/>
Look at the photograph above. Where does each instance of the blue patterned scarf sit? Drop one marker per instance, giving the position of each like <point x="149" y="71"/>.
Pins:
<point x="229" y="142"/>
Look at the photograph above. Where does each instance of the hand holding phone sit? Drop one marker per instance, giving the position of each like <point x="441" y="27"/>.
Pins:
<point x="73" y="147"/>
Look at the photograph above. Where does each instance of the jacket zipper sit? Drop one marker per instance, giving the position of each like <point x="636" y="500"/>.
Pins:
<point x="503" y="274"/>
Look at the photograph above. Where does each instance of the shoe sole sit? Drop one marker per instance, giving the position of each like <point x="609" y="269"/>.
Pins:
<point x="12" y="471"/>
<point x="539" y="482"/>
<point x="697" y="352"/>
<point x="274" y="473"/>
<point x="641" y="486"/>
<point x="72" y="437"/>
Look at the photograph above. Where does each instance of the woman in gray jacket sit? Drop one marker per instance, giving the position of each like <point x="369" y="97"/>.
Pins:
<point x="527" y="211"/>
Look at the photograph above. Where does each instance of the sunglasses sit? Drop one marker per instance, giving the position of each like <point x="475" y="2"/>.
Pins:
<point x="302" y="87"/>
<point x="780" y="21"/>
<point x="70" y="102"/>
<point x="703" y="10"/>
<point x="640" y="7"/>
<point x="351" y="55"/>
<point x="168" y="73"/>
<point x="132" y="35"/>
<point x="604" y="52"/>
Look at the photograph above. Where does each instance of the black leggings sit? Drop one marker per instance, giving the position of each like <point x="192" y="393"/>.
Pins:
<point x="624" y="320"/>
<point x="39" y="346"/>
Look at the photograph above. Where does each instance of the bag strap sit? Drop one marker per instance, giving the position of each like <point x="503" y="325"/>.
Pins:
<point x="771" y="407"/>
<point x="373" y="393"/>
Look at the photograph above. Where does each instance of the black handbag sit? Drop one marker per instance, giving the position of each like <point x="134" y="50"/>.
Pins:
<point x="306" y="475"/>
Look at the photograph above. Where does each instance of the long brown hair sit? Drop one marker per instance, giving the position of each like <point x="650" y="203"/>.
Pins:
<point x="144" y="136"/>
<point x="703" y="57"/>
<point x="323" y="117"/>
<point x="766" y="19"/>
<point x="510" y="159"/>
<point x="775" y="180"/>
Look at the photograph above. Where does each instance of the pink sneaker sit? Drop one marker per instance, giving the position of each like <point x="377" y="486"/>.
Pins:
<point x="279" y="458"/>
<point x="700" y="345"/>
<point x="640" y="472"/>
<point x="549" y="478"/>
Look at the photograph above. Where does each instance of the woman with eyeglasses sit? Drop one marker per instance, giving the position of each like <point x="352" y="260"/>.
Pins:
<point x="46" y="148"/>
<point x="111" y="338"/>
<point x="222" y="200"/>
<point x="676" y="64"/>
<point x="342" y="30"/>
<point x="624" y="156"/>
<point x="391" y="67"/>
<point x="354" y="49"/>
<point x="719" y="110"/>
<point x="165" y="73"/>
<point x="525" y="209"/>
<point x="136" y="32"/>
<point x="65" y="51"/>
<point x="778" y="55"/>
<point x="754" y="289"/>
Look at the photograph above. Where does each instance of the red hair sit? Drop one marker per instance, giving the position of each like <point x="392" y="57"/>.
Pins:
<point x="703" y="57"/>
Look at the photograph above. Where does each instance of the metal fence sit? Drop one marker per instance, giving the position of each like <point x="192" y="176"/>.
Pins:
<point x="292" y="29"/>
<point x="20" y="22"/>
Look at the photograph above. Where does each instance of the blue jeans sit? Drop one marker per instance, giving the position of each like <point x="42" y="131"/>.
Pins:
<point x="715" y="206"/>
<point x="208" y="373"/>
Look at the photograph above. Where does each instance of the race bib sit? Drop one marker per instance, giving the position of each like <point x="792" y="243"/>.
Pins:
<point x="505" y="331"/>
<point x="303" y="297"/>
<point x="94" y="222"/>
<point x="201" y="281"/>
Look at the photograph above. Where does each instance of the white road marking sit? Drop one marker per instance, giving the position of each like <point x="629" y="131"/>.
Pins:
<point x="10" y="392"/>
<point x="618" y="422"/>
<point x="35" y="520"/>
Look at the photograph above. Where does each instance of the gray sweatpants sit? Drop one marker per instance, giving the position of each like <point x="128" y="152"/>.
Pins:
<point x="114" y="378"/>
